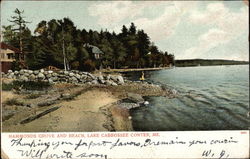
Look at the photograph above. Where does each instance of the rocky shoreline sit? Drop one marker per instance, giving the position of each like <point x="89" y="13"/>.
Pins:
<point x="29" y="107"/>
<point x="73" y="76"/>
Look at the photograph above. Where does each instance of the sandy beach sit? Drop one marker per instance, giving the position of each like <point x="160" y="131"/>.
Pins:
<point x="94" y="108"/>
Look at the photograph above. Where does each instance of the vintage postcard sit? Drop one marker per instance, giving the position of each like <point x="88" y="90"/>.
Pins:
<point x="124" y="79"/>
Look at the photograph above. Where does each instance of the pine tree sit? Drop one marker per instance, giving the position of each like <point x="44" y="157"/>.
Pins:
<point x="124" y="31"/>
<point x="132" y="29"/>
<point x="20" y="23"/>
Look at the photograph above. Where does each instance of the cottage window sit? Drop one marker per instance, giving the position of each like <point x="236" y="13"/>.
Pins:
<point x="10" y="56"/>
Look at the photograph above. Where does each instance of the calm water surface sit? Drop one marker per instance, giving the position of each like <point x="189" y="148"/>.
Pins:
<point x="208" y="98"/>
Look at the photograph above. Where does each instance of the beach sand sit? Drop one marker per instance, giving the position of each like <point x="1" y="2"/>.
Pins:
<point x="91" y="108"/>
<point x="86" y="113"/>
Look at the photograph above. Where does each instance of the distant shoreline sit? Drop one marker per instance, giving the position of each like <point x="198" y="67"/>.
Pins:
<point x="162" y="68"/>
<point x="207" y="62"/>
<point x="213" y="65"/>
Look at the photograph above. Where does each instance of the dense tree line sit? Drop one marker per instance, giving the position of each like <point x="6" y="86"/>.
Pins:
<point x="59" y="43"/>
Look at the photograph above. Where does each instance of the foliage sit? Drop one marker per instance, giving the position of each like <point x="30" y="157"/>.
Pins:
<point x="32" y="96"/>
<point x="89" y="65"/>
<point x="18" y="35"/>
<point x="59" y="43"/>
<point x="7" y="86"/>
<point x="27" y="85"/>
<point x="16" y="65"/>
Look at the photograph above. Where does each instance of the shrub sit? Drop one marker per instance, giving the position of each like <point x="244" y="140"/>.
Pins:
<point x="75" y="65"/>
<point x="32" y="96"/>
<point x="7" y="86"/>
<point x="89" y="65"/>
<point x="27" y="85"/>
<point x="33" y="85"/>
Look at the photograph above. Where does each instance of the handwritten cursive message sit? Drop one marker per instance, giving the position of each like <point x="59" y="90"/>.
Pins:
<point x="126" y="144"/>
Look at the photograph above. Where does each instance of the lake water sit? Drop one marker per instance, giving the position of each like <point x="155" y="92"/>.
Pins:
<point x="208" y="98"/>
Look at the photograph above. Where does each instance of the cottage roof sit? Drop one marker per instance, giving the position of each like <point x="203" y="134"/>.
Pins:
<point x="6" y="46"/>
<point x="95" y="49"/>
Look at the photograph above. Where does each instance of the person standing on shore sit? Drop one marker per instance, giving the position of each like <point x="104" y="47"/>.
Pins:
<point x="142" y="77"/>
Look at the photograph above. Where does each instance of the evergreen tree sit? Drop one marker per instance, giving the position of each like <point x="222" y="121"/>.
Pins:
<point x="20" y="26"/>
<point x="132" y="29"/>
<point x="9" y="36"/>
<point x="119" y="52"/>
<point x="61" y="44"/>
<point x="124" y="31"/>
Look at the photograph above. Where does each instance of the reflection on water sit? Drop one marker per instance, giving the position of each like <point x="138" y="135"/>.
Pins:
<point x="209" y="98"/>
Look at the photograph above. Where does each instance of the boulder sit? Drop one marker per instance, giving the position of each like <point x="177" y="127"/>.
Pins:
<point x="102" y="81"/>
<point x="49" y="75"/>
<point x="109" y="83"/>
<point x="66" y="72"/>
<point x="12" y="74"/>
<point x="41" y="76"/>
<point x="135" y="98"/>
<point x="78" y="76"/>
<point x="45" y="72"/>
<point x="65" y="95"/>
<point x="42" y="70"/>
<point x="113" y="84"/>
<point x="50" y="80"/>
<point x="92" y="76"/>
<point x="30" y="71"/>
<point x="9" y="77"/>
<point x="129" y="105"/>
<point x="74" y="79"/>
<point x="23" y="78"/>
<point x="54" y="79"/>
<point x="36" y="72"/>
<point x="10" y="71"/>
<point x="89" y="83"/>
<point x="50" y="71"/>
<point x="94" y="82"/>
<point x="84" y="77"/>
<point x="85" y="73"/>
<point x="116" y="78"/>
<point x="54" y="74"/>
<point x="100" y="77"/>
<point x="21" y="72"/>
<point x="71" y="74"/>
<point x="120" y="80"/>
<point x="113" y="77"/>
<point x="108" y="77"/>
<point x="146" y="103"/>
<point x="32" y="77"/>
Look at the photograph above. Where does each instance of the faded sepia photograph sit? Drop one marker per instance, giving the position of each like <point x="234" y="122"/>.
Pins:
<point x="110" y="66"/>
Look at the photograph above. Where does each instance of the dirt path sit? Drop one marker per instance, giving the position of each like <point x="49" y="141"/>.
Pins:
<point x="81" y="114"/>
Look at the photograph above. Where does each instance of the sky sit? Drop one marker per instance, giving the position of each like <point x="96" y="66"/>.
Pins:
<point x="187" y="29"/>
